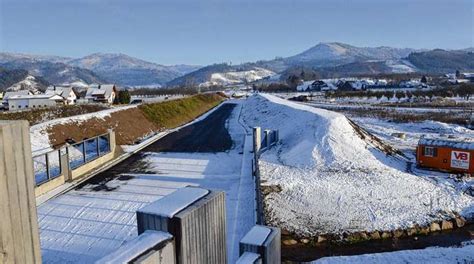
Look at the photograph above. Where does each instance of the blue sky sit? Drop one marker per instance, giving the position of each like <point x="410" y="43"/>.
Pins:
<point x="204" y="32"/>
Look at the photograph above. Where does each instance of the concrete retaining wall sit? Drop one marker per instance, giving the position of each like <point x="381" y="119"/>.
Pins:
<point x="49" y="185"/>
<point x="80" y="171"/>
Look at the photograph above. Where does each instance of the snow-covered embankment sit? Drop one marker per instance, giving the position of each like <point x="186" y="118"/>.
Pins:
<point x="333" y="181"/>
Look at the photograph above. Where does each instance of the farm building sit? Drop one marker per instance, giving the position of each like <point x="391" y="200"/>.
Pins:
<point x="446" y="154"/>
<point x="22" y="102"/>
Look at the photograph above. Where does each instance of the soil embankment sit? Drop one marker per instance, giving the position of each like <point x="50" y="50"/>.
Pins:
<point x="132" y="124"/>
<point x="36" y="116"/>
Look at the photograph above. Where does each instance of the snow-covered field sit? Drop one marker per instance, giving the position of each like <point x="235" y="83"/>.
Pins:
<point x="333" y="181"/>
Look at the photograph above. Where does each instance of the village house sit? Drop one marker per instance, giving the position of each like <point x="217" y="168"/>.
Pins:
<point x="446" y="154"/>
<point x="323" y="85"/>
<point x="350" y="86"/>
<point x="304" y="86"/>
<point x="101" y="93"/>
<point x="67" y="93"/>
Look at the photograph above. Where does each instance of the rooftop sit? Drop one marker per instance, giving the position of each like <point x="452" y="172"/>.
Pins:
<point x="451" y="141"/>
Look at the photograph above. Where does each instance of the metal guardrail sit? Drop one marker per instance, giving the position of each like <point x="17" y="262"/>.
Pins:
<point x="48" y="166"/>
<point x="262" y="142"/>
<point x="269" y="138"/>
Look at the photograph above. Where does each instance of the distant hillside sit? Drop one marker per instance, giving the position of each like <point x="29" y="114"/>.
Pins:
<point x="222" y="74"/>
<point x="128" y="71"/>
<point x="10" y="77"/>
<point x="350" y="69"/>
<point x="443" y="61"/>
<point x="14" y="80"/>
<point x="201" y="75"/>
<point x="96" y="68"/>
<point x="52" y="72"/>
<point x="30" y="83"/>
<point x="333" y="54"/>
<point x="329" y="58"/>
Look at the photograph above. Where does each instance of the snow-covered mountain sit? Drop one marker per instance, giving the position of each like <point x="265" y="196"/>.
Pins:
<point x="130" y="71"/>
<point x="329" y="57"/>
<point x="51" y="68"/>
<point x="330" y="54"/>
<point x="12" y="57"/>
<point x="95" y="68"/>
<point x="337" y="51"/>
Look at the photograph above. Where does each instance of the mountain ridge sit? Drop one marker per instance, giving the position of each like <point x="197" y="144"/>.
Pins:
<point x="337" y="57"/>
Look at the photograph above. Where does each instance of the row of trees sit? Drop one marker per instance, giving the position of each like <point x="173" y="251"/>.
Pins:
<point x="463" y="90"/>
<point x="183" y="90"/>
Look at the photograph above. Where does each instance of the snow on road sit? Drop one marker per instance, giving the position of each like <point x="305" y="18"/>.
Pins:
<point x="334" y="181"/>
<point x="86" y="224"/>
<point x="432" y="255"/>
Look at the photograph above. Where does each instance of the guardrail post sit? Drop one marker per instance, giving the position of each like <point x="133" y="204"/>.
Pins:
<point x="19" y="236"/>
<point x="268" y="140"/>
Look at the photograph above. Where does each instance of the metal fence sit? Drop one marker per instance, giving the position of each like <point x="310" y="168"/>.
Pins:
<point x="47" y="166"/>
<point x="88" y="150"/>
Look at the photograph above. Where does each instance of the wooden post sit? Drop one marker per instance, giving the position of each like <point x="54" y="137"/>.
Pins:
<point x="19" y="236"/>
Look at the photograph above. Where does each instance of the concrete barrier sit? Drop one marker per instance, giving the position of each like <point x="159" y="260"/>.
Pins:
<point x="19" y="236"/>
<point x="196" y="219"/>
<point x="264" y="241"/>
<point x="150" y="247"/>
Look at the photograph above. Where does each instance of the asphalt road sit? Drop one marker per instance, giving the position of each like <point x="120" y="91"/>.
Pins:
<point x="207" y="135"/>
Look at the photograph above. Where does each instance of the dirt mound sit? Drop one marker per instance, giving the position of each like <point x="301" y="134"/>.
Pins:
<point x="132" y="124"/>
<point x="129" y="125"/>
